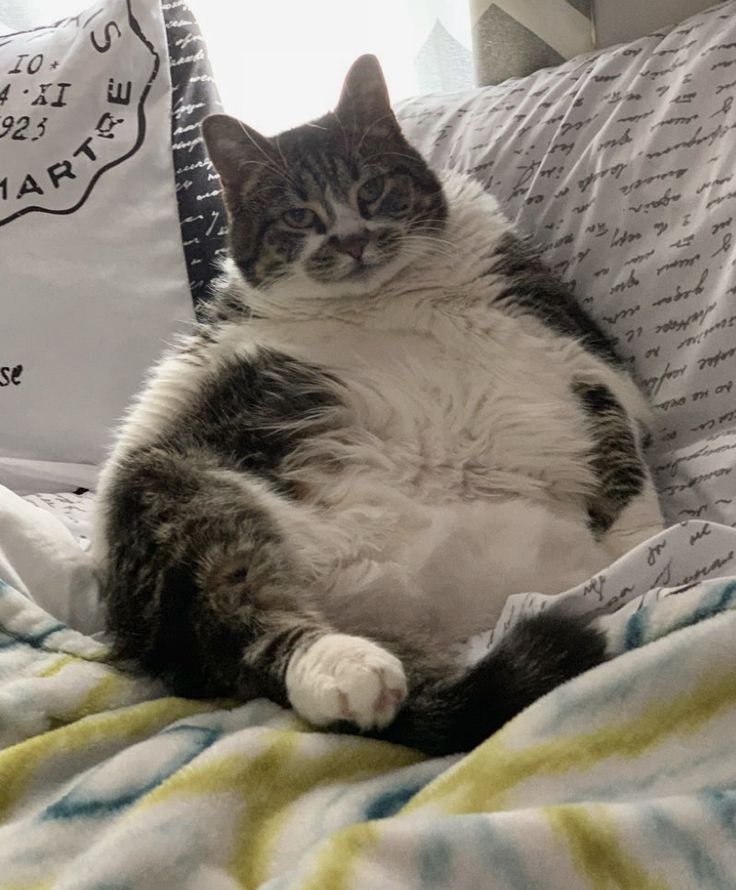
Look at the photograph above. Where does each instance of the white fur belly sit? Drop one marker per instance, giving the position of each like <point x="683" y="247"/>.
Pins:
<point x="459" y="481"/>
<point x="448" y="570"/>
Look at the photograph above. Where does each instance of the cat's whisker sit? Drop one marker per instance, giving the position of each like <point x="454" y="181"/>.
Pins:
<point x="427" y="247"/>
<point x="269" y="165"/>
<point x="264" y="190"/>
<point x="269" y="168"/>
<point x="254" y="141"/>
<point x="431" y="238"/>
<point x="425" y="238"/>
<point x="346" y="139"/>
<point x="283" y="160"/>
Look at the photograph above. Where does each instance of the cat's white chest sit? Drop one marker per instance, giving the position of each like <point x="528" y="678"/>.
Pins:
<point x="460" y="408"/>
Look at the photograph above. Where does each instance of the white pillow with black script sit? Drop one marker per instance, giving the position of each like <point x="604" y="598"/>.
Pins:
<point x="622" y="166"/>
<point x="93" y="279"/>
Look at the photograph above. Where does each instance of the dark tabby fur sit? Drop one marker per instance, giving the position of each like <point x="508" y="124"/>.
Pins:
<point x="616" y="460"/>
<point x="201" y="588"/>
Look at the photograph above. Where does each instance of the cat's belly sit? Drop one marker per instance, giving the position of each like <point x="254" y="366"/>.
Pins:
<point x="448" y="570"/>
<point x="460" y="478"/>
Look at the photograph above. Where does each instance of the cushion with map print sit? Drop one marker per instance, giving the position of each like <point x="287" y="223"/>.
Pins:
<point x="110" y="224"/>
<point x="621" y="166"/>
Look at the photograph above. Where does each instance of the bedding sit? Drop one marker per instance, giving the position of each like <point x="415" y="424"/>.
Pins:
<point x="42" y="556"/>
<point x="624" y="777"/>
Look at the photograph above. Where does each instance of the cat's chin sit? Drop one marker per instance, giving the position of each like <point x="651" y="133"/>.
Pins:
<point x="301" y="295"/>
<point x="359" y="272"/>
<point x="363" y="275"/>
<point x="365" y="280"/>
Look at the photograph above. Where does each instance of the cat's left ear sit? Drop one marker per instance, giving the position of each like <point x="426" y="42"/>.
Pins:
<point x="364" y="100"/>
<point x="233" y="148"/>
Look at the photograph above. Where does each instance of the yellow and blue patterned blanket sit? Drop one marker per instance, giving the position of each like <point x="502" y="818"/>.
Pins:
<point x="622" y="778"/>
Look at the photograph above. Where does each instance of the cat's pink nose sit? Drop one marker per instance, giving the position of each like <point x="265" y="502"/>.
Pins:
<point x="354" y="245"/>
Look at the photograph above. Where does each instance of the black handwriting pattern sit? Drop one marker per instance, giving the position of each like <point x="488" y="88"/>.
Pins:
<point x="194" y="96"/>
<point x="623" y="172"/>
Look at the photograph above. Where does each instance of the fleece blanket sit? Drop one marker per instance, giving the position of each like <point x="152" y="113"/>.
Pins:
<point x="622" y="778"/>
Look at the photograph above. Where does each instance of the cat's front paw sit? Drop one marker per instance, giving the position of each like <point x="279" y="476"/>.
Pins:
<point x="341" y="677"/>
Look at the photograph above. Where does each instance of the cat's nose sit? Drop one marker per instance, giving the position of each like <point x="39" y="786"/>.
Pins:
<point x="354" y="245"/>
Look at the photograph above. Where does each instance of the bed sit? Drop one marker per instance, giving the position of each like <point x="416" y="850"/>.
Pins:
<point x="621" y="166"/>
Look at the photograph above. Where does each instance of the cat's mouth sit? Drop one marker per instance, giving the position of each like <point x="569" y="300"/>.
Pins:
<point x="363" y="268"/>
<point x="359" y="269"/>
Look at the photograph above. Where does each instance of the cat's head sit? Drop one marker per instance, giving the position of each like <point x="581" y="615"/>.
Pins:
<point x="341" y="203"/>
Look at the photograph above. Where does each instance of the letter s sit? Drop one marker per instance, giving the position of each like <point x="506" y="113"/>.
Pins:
<point x="107" y="31"/>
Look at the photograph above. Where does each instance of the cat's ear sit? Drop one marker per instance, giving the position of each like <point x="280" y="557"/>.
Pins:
<point x="364" y="99"/>
<point x="233" y="146"/>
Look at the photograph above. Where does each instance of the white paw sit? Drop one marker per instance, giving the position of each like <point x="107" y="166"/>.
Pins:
<point x="341" y="677"/>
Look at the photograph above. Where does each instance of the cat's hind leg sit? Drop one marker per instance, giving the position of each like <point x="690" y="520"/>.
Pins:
<point x="205" y="588"/>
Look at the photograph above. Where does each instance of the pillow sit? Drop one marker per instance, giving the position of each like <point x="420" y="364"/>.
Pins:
<point x="193" y="97"/>
<point x="96" y="272"/>
<point x="622" y="166"/>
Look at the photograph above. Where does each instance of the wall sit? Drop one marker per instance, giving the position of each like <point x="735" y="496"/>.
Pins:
<point x="19" y="14"/>
<point x="617" y="21"/>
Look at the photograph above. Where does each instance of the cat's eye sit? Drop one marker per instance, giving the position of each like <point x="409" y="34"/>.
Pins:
<point x="372" y="189"/>
<point x="238" y="576"/>
<point x="300" y="218"/>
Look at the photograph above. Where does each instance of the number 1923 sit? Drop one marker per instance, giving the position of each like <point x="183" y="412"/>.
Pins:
<point x="22" y="128"/>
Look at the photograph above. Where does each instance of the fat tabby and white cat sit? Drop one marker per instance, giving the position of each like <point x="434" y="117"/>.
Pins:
<point x="391" y="418"/>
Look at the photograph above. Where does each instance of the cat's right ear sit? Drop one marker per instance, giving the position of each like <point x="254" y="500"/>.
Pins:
<point x="364" y="103"/>
<point x="234" y="148"/>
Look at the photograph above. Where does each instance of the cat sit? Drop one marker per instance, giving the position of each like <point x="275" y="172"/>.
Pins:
<point x="389" y="418"/>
